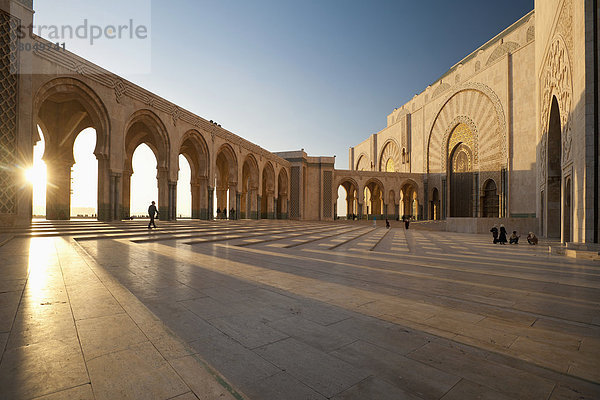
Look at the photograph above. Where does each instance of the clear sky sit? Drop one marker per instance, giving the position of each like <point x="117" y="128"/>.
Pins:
<point x="320" y="75"/>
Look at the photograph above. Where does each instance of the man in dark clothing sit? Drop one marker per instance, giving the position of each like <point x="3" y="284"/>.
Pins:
<point x="494" y="231"/>
<point x="152" y="212"/>
<point x="502" y="235"/>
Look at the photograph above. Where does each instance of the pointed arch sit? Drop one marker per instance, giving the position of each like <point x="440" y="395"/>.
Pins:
<point x="389" y="158"/>
<point x="144" y="126"/>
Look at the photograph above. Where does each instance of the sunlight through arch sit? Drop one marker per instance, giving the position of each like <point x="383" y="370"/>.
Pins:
<point x="184" y="193"/>
<point x="342" y="207"/>
<point x="84" y="176"/>
<point x="36" y="175"/>
<point x="144" y="186"/>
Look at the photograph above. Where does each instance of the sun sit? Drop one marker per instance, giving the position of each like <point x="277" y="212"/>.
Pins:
<point x="36" y="175"/>
<point x="30" y="175"/>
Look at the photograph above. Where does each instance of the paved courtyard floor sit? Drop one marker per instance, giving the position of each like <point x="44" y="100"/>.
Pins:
<point x="291" y="310"/>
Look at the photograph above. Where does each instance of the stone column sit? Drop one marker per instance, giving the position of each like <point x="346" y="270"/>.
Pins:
<point x="172" y="200"/>
<point x="115" y="196"/>
<point x="276" y="215"/>
<point x="58" y="190"/>
<point x="238" y="205"/>
<point x="270" y="206"/>
<point x="163" y="194"/>
<point x="425" y="200"/>
<point x="203" y="201"/>
<point x="126" y="195"/>
<point x="259" y="204"/>
<point x="254" y="200"/>
<point x="195" y="189"/>
<point x="104" y="190"/>
<point x="211" y="203"/>
<point x="232" y="200"/>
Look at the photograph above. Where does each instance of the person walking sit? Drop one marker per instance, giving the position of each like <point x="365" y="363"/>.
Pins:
<point x="494" y="231"/>
<point x="502" y="236"/>
<point x="406" y="220"/>
<point x="152" y="212"/>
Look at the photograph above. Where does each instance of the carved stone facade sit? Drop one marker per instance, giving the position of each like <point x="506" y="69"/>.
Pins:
<point x="490" y="116"/>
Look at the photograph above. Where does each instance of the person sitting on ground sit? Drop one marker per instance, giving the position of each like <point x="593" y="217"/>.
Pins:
<point x="514" y="238"/>
<point x="494" y="231"/>
<point x="532" y="239"/>
<point x="502" y="235"/>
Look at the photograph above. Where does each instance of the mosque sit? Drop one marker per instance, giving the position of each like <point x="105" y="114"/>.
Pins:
<point x="507" y="135"/>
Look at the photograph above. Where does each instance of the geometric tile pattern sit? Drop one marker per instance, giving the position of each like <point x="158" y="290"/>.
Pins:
<point x="8" y="111"/>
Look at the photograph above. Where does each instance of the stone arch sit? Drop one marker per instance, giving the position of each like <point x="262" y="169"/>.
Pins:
<point x="195" y="149"/>
<point x="554" y="173"/>
<point x="267" y="199"/>
<point x="477" y="106"/>
<point x="409" y="199"/>
<point x="374" y="193"/>
<point x="389" y="158"/>
<point x="249" y="188"/>
<point x="63" y="108"/>
<point x="146" y="127"/>
<point x="65" y="90"/>
<point x="282" y="194"/>
<point x="556" y="98"/>
<point x="460" y="177"/>
<point x="352" y="195"/>
<point x="363" y="163"/>
<point x="556" y="82"/>
<point x="225" y="180"/>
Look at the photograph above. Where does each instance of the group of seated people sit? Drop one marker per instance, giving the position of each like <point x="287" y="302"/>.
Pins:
<point x="499" y="236"/>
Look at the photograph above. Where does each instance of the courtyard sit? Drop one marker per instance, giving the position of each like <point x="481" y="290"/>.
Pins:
<point x="290" y="310"/>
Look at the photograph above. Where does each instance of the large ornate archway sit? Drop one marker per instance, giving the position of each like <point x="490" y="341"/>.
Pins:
<point x="461" y="160"/>
<point x="555" y="157"/>
<point x="146" y="127"/>
<point x="63" y="108"/>
<point x="389" y="160"/>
